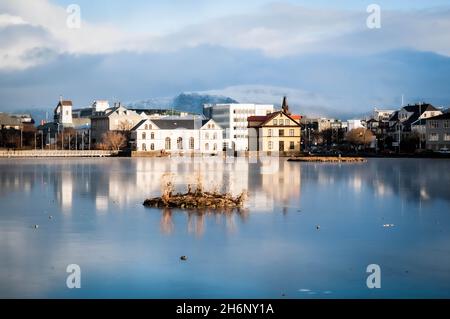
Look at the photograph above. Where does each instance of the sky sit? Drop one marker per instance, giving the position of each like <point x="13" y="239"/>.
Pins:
<point x="320" y="53"/>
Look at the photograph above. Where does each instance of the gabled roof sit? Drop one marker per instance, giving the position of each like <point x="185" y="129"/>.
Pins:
<point x="205" y="122"/>
<point x="141" y="122"/>
<point x="416" y="108"/>
<point x="265" y="119"/>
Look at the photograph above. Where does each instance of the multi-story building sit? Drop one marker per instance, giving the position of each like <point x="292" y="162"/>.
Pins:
<point x="63" y="112"/>
<point x="438" y="132"/>
<point x="177" y="135"/>
<point x="117" y="118"/>
<point x="411" y="119"/>
<point x="275" y="132"/>
<point x="233" y="120"/>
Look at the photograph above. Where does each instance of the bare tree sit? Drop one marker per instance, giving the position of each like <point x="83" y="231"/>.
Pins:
<point x="112" y="140"/>
<point x="360" y="136"/>
<point x="124" y="125"/>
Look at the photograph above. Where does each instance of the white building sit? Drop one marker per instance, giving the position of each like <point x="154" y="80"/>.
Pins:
<point x="118" y="118"/>
<point x="382" y="115"/>
<point x="63" y="112"/>
<point x="177" y="135"/>
<point x="233" y="119"/>
<point x="354" y="124"/>
<point x="100" y="105"/>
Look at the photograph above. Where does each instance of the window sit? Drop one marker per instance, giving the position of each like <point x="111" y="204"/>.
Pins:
<point x="206" y="136"/>
<point x="291" y="145"/>
<point x="291" y="132"/>
<point x="434" y="137"/>
<point x="168" y="146"/>
<point x="281" y="133"/>
<point x="447" y="137"/>
<point x="152" y="135"/>
<point x="270" y="132"/>
<point x="270" y="145"/>
<point x="215" y="147"/>
<point x="275" y="122"/>
<point x="215" y="136"/>
<point x="180" y="143"/>
<point x="144" y="135"/>
<point x="152" y="147"/>
<point x="434" y="124"/>
<point x="144" y="147"/>
<point x="146" y="126"/>
<point x="191" y="143"/>
<point x="286" y="122"/>
<point x="206" y="147"/>
<point x="447" y="124"/>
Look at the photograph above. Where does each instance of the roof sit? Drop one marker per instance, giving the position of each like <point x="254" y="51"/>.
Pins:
<point x="257" y="118"/>
<point x="138" y="125"/>
<point x="264" y="119"/>
<point x="217" y="126"/>
<point x="173" y="124"/>
<point x="66" y="102"/>
<point x="445" y="116"/>
<point x="419" y="122"/>
<point x="394" y="116"/>
<point x="6" y="119"/>
<point x="420" y="108"/>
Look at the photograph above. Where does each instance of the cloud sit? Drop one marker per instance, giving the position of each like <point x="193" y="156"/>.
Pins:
<point x="277" y="30"/>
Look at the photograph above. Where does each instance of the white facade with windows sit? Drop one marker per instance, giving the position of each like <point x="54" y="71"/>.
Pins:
<point x="233" y="119"/>
<point x="177" y="135"/>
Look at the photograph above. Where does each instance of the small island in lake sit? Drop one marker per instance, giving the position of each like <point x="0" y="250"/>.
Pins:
<point x="195" y="199"/>
<point x="328" y="159"/>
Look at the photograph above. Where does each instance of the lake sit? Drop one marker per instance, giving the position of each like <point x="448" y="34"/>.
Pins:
<point x="309" y="230"/>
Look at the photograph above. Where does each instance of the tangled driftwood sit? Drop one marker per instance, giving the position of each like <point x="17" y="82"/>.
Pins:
<point x="196" y="199"/>
<point x="332" y="159"/>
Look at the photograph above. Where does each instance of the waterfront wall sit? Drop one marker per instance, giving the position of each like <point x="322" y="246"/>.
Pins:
<point x="55" y="153"/>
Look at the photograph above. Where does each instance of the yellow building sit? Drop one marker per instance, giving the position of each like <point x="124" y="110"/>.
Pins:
<point x="275" y="132"/>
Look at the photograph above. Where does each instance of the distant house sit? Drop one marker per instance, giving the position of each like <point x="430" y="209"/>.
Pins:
<point x="177" y="135"/>
<point x="438" y="132"/>
<point x="408" y="120"/>
<point x="63" y="112"/>
<point x="7" y="121"/>
<point x="117" y="118"/>
<point x="275" y="132"/>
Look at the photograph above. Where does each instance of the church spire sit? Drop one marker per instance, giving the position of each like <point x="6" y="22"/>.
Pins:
<point x="285" y="106"/>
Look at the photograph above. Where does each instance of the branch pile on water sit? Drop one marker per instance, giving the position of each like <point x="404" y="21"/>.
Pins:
<point x="195" y="199"/>
<point x="332" y="159"/>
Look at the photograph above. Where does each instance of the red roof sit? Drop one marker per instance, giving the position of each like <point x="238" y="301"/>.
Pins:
<point x="259" y="118"/>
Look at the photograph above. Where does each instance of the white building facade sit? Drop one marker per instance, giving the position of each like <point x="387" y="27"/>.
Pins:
<point x="233" y="120"/>
<point x="177" y="136"/>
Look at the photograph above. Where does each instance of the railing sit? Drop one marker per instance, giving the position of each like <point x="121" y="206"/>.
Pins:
<point x="56" y="153"/>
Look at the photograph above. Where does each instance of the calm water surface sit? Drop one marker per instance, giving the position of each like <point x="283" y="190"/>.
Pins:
<point x="271" y="248"/>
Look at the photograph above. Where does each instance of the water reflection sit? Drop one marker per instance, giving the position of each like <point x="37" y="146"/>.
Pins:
<point x="121" y="182"/>
<point x="99" y="222"/>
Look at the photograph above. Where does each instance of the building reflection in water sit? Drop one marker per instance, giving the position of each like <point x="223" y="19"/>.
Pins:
<point x="120" y="184"/>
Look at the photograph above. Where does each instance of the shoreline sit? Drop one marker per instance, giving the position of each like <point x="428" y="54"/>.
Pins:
<point x="125" y="154"/>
